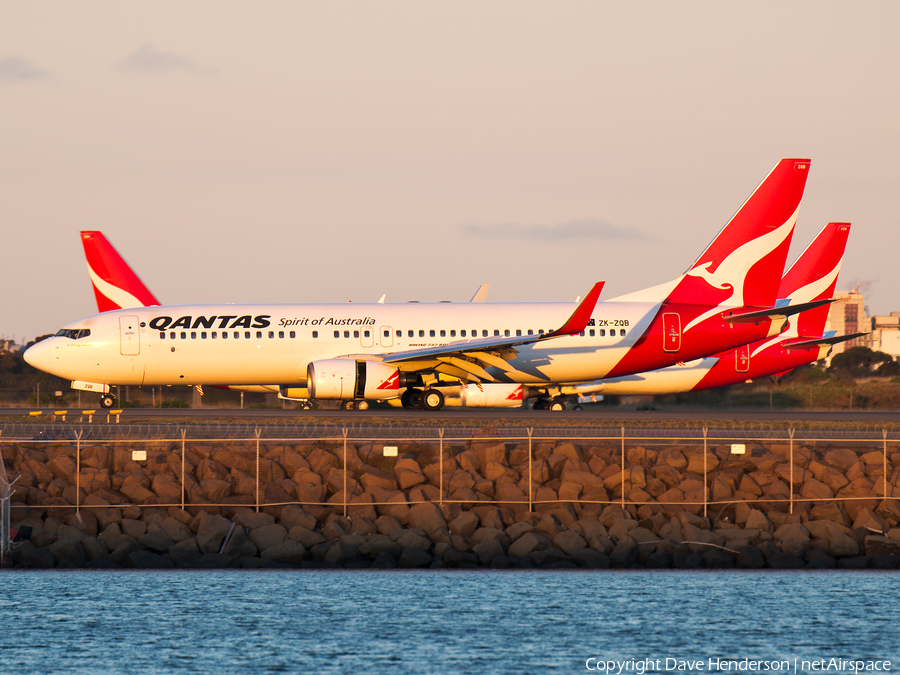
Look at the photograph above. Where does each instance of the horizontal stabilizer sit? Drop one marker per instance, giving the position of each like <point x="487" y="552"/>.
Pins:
<point x="816" y="342"/>
<point x="775" y="312"/>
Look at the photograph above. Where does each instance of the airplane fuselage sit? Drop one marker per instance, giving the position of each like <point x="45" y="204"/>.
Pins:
<point x="265" y="344"/>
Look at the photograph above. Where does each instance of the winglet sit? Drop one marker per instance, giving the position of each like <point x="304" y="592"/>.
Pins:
<point x="582" y="314"/>
<point x="481" y="293"/>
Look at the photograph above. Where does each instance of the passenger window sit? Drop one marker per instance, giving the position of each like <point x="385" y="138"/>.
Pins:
<point x="421" y="333"/>
<point x="337" y="333"/>
<point x="518" y="333"/>
<point x="399" y="333"/>
<point x="496" y="333"/>
<point x="162" y="336"/>
<point x="293" y="334"/>
<point x="356" y="333"/>
<point x="281" y="333"/>
<point x="452" y="333"/>
<point x="315" y="333"/>
<point x="602" y="332"/>
<point x="592" y="332"/>
<point x="224" y="334"/>
<point x="581" y="333"/>
<point x="411" y="333"/>
<point x="237" y="334"/>
<point x="530" y="332"/>
<point x="193" y="335"/>
<point x="387" y="333"/>
<point x="484" y="333"/>
<point x="506" y="332"/>
<point x="203" y="335"/>
<point x="247" y="334"/>
<point x="622" y="331"/>
<point x="366" y="333"/>
<point x="172" y="335"/>
<point x="431" y="333"/>
<point x="540" y="331"/>
<point x="214" y="335"/>
<point x="462" y="333"/>
<point x="346" y="333"/>
<point x="272" y="334"/>
<point x="443" y="333"/>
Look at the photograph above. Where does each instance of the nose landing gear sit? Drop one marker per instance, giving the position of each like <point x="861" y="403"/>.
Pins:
<point x="107" y="401"/>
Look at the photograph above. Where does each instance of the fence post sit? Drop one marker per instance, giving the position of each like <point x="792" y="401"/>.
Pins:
<point x="791" y="460"/>
<point x="623" y="466"/>
<point x="78" y="472"/>
<point x="183" y="434"/>
<point x="705" y="473"/>
<point x="884" y="465"/>
<point x="530" y="473"/>
<point x="345" y="472"/>
<point x="441" y="469"/>
<point x="257" y="469"/>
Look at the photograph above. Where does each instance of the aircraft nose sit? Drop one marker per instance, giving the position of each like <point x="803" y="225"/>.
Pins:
<point x="38" y="355"/>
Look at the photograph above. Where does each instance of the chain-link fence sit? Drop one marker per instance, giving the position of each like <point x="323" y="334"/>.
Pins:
<point x="710" y="474"/>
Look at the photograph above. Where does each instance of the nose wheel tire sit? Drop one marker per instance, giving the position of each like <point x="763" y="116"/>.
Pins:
<point x="349" y="405"/>
<point x="432" y="399"/>
<point x="557" y="405"/>
<point x="107" y="401"/>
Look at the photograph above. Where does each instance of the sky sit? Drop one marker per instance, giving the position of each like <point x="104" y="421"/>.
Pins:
<point x="336" y="151"/>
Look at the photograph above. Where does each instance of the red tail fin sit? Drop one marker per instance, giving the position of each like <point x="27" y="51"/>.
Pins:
<point x="743" y="264"/>
<point x="116" y="286"/>
<point x="813" y="276"/>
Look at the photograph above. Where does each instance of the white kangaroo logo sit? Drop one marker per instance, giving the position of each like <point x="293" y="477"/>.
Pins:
<point x="732" y="272"/>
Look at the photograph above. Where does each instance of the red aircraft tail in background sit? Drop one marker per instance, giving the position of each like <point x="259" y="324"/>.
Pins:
<point x="116" y="286"/>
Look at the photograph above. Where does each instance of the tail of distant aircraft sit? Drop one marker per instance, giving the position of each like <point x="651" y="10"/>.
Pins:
<point x="116" y="286"/>
<point x="813" y="276"/>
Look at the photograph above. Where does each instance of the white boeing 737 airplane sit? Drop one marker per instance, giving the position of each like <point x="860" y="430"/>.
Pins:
<point x="381" y="351"/>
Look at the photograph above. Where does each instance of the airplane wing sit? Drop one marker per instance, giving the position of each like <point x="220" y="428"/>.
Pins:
<point x="468" y="359"/>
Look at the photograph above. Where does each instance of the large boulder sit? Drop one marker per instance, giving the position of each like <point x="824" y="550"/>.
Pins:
<point x="426" y="516"/>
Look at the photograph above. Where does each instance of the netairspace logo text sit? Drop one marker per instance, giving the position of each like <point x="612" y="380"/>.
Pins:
<point x="719" y="665"/>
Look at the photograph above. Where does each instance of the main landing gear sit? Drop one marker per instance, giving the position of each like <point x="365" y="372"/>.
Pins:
<point x="549" y="404"/>
<point x="356" y="405"/>
<point x="107" y="400"/>
<point x="416" y="399"/>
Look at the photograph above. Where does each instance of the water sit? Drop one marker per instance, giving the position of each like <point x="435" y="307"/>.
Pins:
<point x="438" y="622"/>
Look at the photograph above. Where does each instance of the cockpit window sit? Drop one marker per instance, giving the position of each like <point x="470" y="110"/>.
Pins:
<point x="74" y="333"/>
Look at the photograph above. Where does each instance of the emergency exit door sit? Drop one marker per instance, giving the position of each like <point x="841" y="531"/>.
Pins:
<point x="671" y="332"/>
<point x="742" y="359"/>
<point x="129" y="336"/>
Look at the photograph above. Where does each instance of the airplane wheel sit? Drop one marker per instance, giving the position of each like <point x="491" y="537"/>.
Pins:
<point x="362" y="405"/>
<point x="432" y="399"/>
<point x="577" y="407"/>
<point x="349" y="405"/>
<point x="412" y="399"/>
<point x="107" y="401"/>
<point x="557" y="405"/>
<point x="540" y="404"/>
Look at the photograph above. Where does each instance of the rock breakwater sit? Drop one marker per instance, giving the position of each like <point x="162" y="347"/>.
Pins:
<point x="477" y="503"/>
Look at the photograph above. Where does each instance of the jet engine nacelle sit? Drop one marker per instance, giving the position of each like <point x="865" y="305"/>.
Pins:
<point x="491" y="395"/>
<point x="346" y="379"/>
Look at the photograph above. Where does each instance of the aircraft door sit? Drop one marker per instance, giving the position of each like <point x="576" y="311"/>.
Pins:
<point x="671" y="332"/>
<point x="742" y="359"/>
<point x="129" y="336"/>
<point x="387" y="336"/>
<point x="367" y="337"/>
